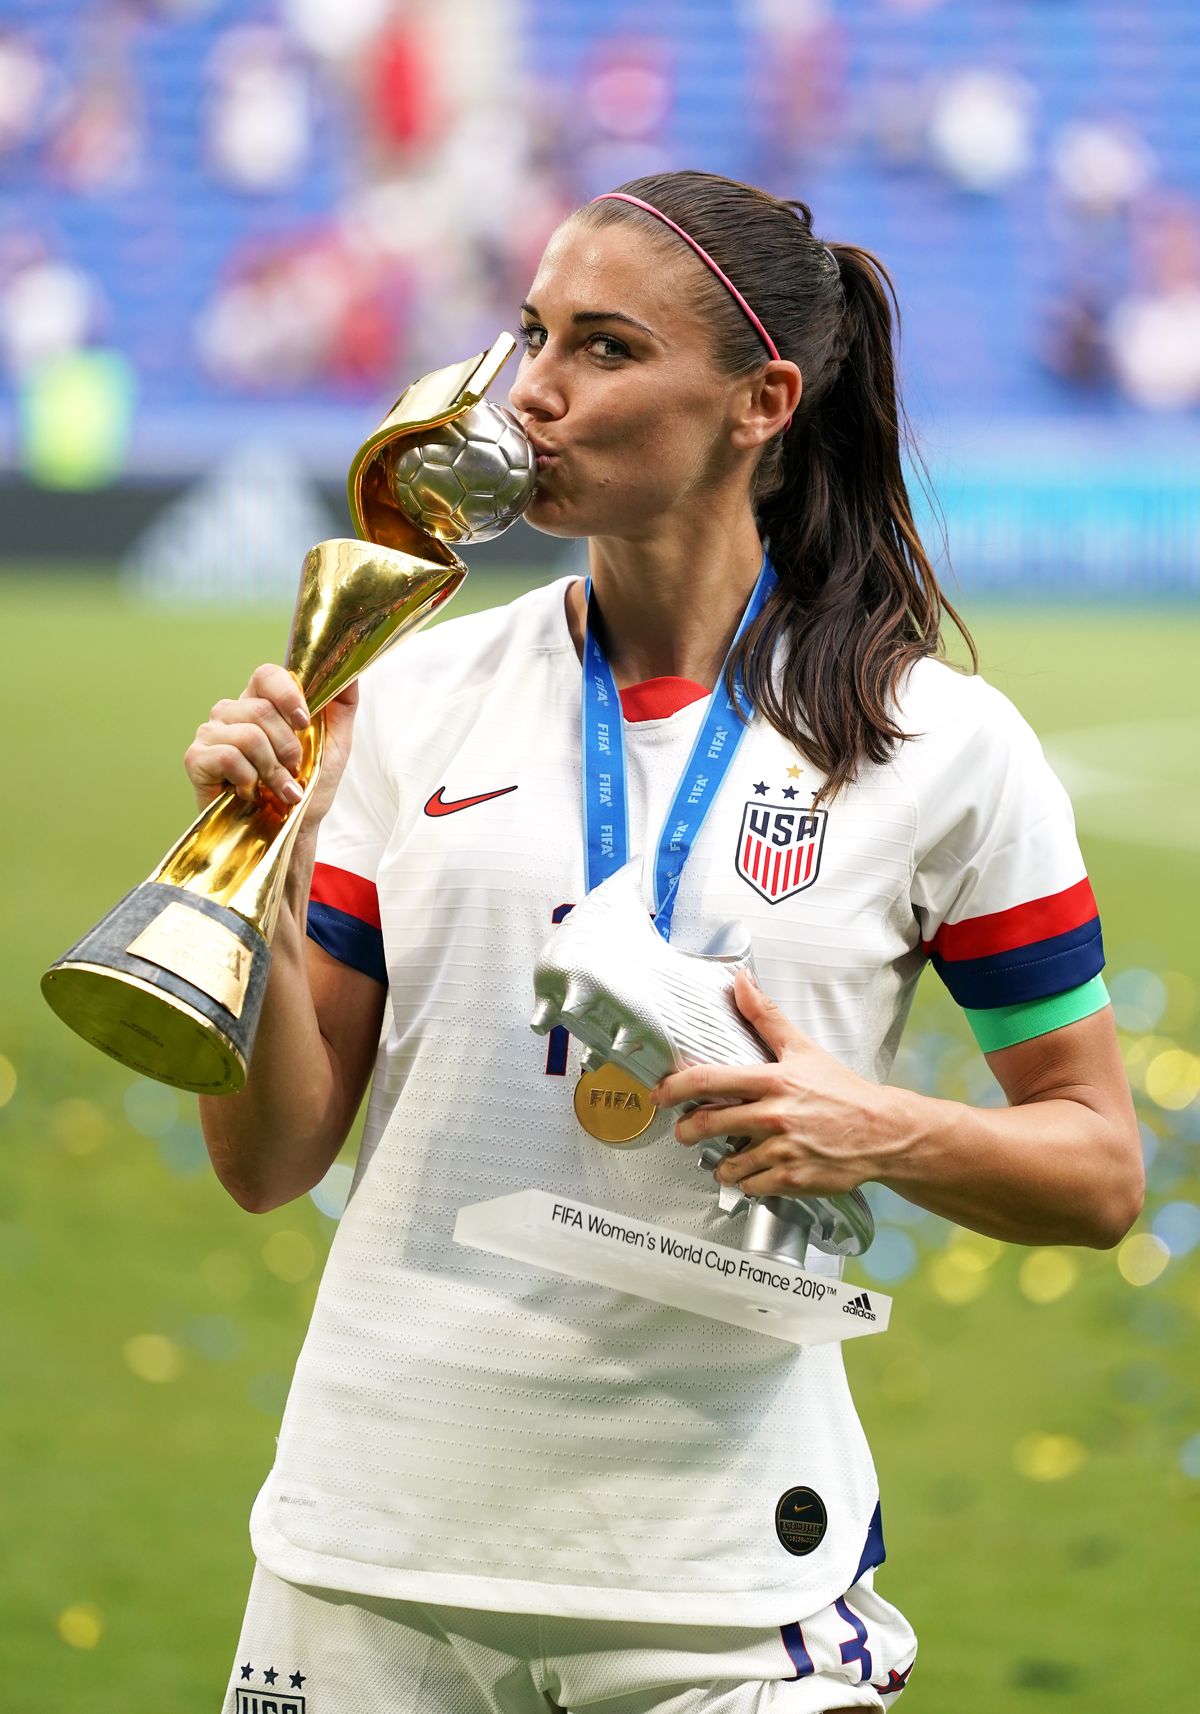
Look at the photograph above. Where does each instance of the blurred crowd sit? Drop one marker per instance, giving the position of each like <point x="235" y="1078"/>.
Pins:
<point x="453" y="156"/>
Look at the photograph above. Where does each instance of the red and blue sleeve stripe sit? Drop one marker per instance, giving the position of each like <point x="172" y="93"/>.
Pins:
<point x="1025" y="953"/>
<point x="343" y="918"/>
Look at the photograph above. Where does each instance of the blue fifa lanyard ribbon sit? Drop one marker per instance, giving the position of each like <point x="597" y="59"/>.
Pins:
<point x="605" y="796"/>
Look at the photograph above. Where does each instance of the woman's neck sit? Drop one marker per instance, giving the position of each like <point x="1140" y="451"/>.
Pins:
<point x="668" y="609"/>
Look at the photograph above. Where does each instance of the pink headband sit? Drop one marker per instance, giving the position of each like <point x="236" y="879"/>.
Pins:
<point x="621" y="196"/>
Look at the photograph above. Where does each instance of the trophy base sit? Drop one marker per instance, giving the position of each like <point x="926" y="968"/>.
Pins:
<point x="169" y="983"/>
<point x="765" y="1294"/>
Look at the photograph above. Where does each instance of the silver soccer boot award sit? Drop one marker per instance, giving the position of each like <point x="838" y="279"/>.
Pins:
<point x="644" y="1008"/>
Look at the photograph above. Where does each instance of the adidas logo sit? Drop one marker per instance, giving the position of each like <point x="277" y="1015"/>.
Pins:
<point x="860" y="1305"/>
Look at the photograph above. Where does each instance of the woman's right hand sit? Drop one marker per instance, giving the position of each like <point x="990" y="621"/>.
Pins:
<point x="253" y="740"/>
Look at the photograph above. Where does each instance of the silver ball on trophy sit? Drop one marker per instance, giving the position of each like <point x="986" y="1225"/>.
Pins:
<point x="468" y="480"/>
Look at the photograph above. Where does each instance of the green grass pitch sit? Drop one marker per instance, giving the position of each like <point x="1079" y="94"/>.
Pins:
<point x="1035" y="1425"/>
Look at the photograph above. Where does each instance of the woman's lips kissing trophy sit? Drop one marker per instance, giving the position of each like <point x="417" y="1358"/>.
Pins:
<point x="170" y="982"/>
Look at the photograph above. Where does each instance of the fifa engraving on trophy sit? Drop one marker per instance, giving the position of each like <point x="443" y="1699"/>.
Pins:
<point x="200" y="950"/>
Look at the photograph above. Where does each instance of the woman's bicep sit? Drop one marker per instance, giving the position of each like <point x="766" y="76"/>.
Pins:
<point x="1081" y="1063"/>
<point x="349" y="1007"/>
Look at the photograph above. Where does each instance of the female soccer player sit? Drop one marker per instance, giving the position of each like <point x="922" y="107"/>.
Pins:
<point x="498" y="1489"/>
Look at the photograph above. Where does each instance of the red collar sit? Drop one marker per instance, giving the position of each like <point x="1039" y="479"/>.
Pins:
<point x="656" y="698"/>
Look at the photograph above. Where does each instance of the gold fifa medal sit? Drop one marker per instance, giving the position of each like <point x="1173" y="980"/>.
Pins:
<point x="612" y="1106"/>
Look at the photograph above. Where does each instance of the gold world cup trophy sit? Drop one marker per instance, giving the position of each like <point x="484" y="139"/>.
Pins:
<point x="171" y="981"/>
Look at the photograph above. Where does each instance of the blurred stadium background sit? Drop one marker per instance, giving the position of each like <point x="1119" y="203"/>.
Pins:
<point x="230" y="231"/>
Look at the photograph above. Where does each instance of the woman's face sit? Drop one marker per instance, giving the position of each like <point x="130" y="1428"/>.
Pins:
<point x="618" y="383"/>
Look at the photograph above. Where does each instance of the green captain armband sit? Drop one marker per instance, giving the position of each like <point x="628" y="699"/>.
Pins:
<point x="1003" y="1026"/>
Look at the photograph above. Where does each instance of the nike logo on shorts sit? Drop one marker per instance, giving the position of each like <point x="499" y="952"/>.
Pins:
<point x="437" y="804"/>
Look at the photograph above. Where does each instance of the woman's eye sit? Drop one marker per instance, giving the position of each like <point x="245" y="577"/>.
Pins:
<point x="602" y="345"/>
<point x="617" y="349"/>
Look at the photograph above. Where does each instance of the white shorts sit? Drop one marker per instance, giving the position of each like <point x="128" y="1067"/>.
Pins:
<point x="322" y="1651"/>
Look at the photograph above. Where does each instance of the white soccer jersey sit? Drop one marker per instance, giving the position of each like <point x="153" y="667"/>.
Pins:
<point x="466" y="1429"/>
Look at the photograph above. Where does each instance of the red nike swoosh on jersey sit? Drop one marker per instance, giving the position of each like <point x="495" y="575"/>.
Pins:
<point x="438" y="806"/>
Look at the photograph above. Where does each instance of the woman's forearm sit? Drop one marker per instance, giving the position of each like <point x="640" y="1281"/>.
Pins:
<point x="1061" y="1165"/>
<point x="320" y="1019"/>
<point x="1049" y="1171"/>
<point x="276" y="1138"/>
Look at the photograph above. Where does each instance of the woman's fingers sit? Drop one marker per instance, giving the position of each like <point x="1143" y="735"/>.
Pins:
<point x="213" y="768"/>
<point x="713" y="1083"/>
<point x="755" y="1120"/>
<point x="760" y="1151"/>
<point x="339" y="714"/>
<point x="254" y="745"/>
<point x="258" y="712"/>
<point x="251" y="739"/>
<point x="769" y="1162"/>
<point x="277" y="686"/>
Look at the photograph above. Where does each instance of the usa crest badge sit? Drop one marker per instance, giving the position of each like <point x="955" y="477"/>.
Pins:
<point x="779" y="848"/>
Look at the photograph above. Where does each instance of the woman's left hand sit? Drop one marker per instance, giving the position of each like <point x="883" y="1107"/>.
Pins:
<point x="815" y="1127"/>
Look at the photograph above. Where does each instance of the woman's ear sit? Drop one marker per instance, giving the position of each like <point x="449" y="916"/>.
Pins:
<point x="769" y="402"/>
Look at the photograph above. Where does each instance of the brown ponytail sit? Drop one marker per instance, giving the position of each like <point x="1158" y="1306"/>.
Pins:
<point x="858" y="601"/>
